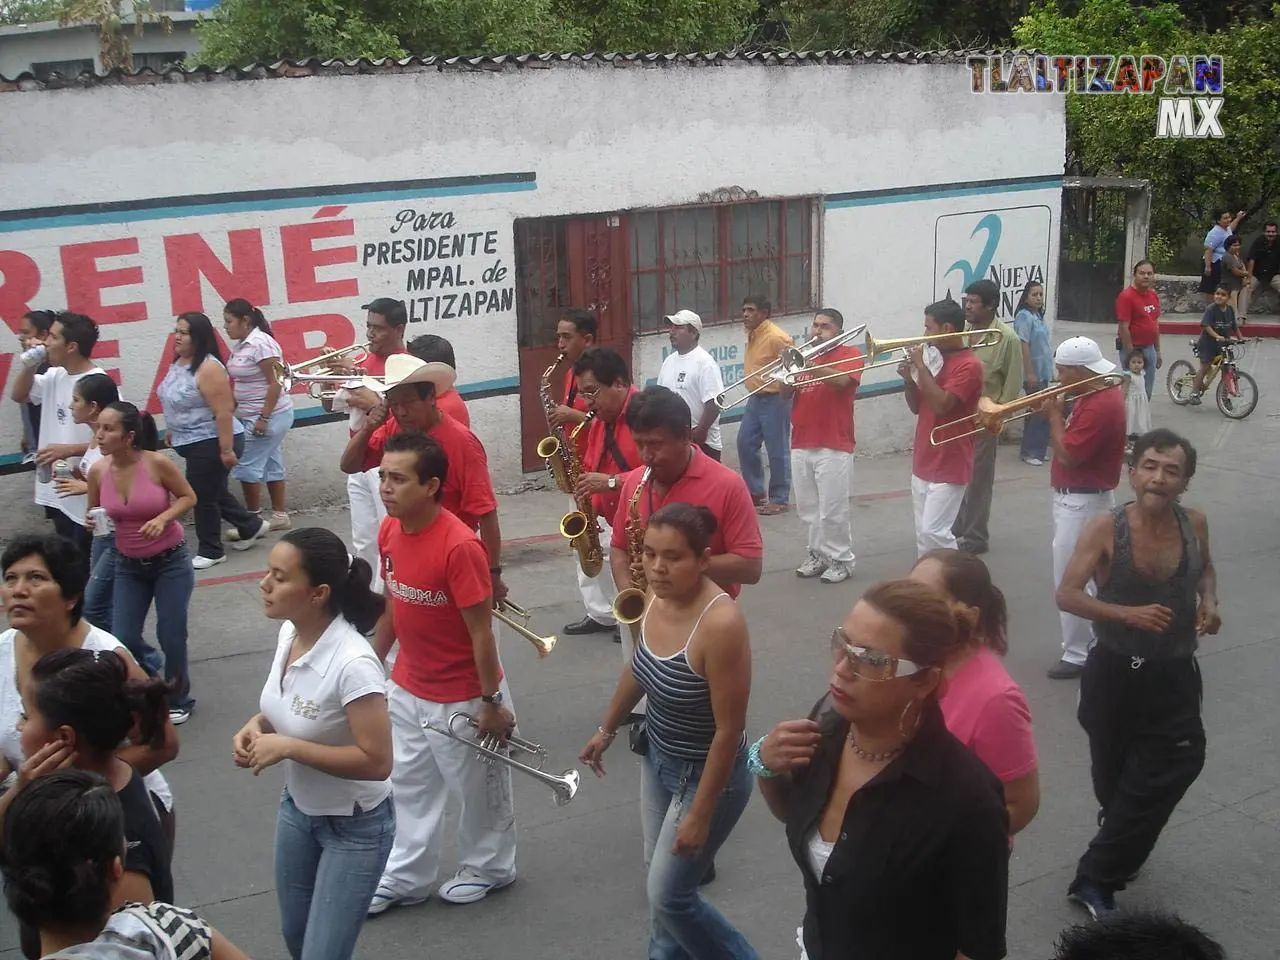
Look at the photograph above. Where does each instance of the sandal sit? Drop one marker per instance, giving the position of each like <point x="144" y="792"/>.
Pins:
<point x="771" y="509"/>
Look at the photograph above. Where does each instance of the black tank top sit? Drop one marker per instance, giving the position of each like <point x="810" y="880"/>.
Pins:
<point x="1131" y="588"/>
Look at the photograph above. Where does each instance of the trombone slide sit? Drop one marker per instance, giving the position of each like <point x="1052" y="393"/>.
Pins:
<point x="991" y="417"/>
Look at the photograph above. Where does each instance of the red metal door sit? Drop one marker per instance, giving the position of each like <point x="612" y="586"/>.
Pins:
<point x="562" y="263"/>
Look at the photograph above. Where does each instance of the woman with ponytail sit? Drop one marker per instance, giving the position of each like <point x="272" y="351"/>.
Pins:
<point x="145" y="494"/>
<point x="324" y="714"/>
<point x="67" y="879"/>
<point x="262" y="406"/>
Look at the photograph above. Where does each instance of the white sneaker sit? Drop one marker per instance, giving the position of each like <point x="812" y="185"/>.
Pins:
<point x="204" y="563"/>
<point x="249" y="541"/>
<point x="838" y="572"/>
<point x="468" y="887"/>
<point x="1034" y="461"/>
<point x="279" y="521"/>
<point x="384" y="900"/>
<point x="811" y="567"/>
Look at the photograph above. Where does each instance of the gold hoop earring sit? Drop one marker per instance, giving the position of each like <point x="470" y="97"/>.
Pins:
<point x="902" y="720"/>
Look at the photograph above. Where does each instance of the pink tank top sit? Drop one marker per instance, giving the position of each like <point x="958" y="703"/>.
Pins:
<point x="147" y="500"/>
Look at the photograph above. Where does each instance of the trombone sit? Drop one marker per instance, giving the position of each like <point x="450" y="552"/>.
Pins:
<point x="287" y="374"/>
<point x="873" y="348"/>
<point x="517" y="618"/>
<point x="765" y="374"/>
<point x="798" y="360"/>
<point x="489" y="749"/>
<point x="991" y="417"/>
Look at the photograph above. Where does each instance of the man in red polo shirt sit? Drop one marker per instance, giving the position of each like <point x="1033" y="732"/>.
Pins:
<point x="607" y="454"/>
<point x="1088" y="456"/>
<point x="940" y="393"/>
<point x="822" y="452"/>
<point x="1138" y="318"/>
<point x="441" y="597"/>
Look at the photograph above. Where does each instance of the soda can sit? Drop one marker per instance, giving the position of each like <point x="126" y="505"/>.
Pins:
<point x="44" y="472"/>
<point x="98" y="520"/>
<point x="62" y="470"/>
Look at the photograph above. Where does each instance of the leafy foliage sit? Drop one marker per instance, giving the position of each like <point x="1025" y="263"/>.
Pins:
<point x="29" y="11"/>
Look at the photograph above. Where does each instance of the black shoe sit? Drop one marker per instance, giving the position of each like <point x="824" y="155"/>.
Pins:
<point x="1065" y="670"/>
<point x="587" y="625"/>
<point x="709" y="876"/>
<point x="1099" y="901"/>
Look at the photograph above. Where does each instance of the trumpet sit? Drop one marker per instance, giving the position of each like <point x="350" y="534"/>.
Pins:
<point x="517" y="618"/>
<point x="287" y="374"/>
<point x="765" y="374"/>
<point x="991" y="417"/>
<point x="489" y="749"/>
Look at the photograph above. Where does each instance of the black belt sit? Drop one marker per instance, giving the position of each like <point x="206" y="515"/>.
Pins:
<point x="156" y="558"/>
<point x="1082" y="490"/>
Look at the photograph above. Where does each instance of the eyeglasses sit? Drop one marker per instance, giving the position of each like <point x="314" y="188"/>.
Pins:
<point x="869" y="664"/>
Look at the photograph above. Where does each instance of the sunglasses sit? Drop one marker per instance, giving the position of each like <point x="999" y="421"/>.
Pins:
<point x="868" y="664"/>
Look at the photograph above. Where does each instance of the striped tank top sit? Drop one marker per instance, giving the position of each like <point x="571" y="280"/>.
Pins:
<point x="680" y="721"/>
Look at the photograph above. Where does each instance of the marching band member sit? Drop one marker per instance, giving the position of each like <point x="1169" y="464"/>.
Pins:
<point x="610" y="451"/>
<point x="1088" y="456"/>
<point x="575" y="333"/>
<point x="385" y="323"/>
<point x="434" y="348"/>
<point x="694" y="374"/>
<point x="940" y="472"/>
<point x="822" y="453"/>
<point x="765" y="419"/>
<point x="441" y="600"/>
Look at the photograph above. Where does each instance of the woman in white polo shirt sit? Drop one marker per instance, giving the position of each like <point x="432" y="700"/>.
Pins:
<point x="324" y="712"/>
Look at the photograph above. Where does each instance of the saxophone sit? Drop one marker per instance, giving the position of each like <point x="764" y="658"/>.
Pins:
<point x="628" y="606"/>
<point x="578" y="526"/>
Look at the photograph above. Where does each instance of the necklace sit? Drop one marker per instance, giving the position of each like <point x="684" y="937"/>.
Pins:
<point x="884" y="757"/>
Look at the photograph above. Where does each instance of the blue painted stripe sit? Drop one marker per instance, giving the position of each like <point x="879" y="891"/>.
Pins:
<point x="872" y="198"/>
<point x="46" y="222"/>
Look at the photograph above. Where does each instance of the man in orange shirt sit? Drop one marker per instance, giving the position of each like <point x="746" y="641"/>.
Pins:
<point x="767" y="417"/>
<point x="822" y="452"/>
<point x="440" y="609"/>
<point x="609" y="453"/>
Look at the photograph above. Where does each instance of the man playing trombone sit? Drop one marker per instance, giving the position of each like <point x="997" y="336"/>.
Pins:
<point x="1088" y="456"/>
<point x="440" y="608"/>
<point x="940" y="471"/>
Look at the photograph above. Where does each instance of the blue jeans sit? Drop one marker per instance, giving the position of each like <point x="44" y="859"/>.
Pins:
<point x="1148" y="371"/>
<point x="767" y="420"/>
<point x="262" y="460"/>
<point x="327" y="870"/>
<point x="1035" y="434"/>
<point x="684" y="925"/>
<point x="99" y="593"/>
<point x="168" y="579"/>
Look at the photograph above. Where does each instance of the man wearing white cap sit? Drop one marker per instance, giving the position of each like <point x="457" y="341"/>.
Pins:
<point x="694" y="374"/>
<point x="1088" y="454"/>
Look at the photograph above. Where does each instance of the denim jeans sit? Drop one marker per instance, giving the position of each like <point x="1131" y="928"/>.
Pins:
<point x="327" y="870"/>
<point x="99" y="593"/>
<point x="262" y="460"/>
<point x="684" y="925"/>
<point x="168" y="579"/>
<point x="1148" y="371"/>
<point x="767" y="420"/>
<point x="214" y="502"/>
<point x="1035" y="435"/>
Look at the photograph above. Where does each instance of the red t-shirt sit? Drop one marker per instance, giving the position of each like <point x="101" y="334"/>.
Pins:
<point x="374" y="366"/>
<point x="453" y="404"/>
<point x="431" y="576"/>
<point x="822" y="413"/>
<point x="704" y="483"/>
<point x="598" y="458"/>
<point x="1141" y="311"/>
<point x="468" y="491"/>
<point x="962" y="375"/>
<point x="1094" y="438"/>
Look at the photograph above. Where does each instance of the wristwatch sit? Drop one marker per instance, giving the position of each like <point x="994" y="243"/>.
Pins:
<point x="496" y="699"/>
<point x="613" y="481"/>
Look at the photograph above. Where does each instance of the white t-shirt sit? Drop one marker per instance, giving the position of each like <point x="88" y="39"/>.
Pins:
<point x="696" y="377"/>
<point x="11" y="704"/>
<point x="308" y="702"/>
<point x="52" y="390"/>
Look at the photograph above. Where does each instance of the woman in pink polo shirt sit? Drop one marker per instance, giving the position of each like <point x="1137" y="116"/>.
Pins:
<point x="982" y="705"/>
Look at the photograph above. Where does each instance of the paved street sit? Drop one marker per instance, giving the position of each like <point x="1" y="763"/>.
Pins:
<point x="581" y="888"/>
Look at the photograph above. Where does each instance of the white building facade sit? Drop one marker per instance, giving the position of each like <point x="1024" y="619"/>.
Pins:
<point x="492" y="194"/>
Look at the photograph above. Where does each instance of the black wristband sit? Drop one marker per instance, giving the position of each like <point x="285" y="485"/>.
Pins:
<point x="496" y="571"/>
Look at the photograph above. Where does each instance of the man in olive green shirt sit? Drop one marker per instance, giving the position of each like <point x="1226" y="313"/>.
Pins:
<point x="1003" y="363"/>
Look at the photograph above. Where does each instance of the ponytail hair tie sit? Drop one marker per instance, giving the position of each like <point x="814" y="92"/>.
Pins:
<point x="351" y="562"/>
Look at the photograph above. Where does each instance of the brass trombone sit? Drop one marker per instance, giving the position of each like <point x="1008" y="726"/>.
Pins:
<point x="517" y="618"/>
<point x="873" y="348"/>
<point x="765" y="374"/>
<point x="287" y="374"/>
<point x="798" y="360"/>
<point x="490" y="749"/>
<point x="991" y="417"/>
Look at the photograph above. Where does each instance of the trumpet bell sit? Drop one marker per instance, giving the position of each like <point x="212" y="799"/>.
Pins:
<point x="564" y="786"/>
<point x="628" y="605"/>
<point x="544" y="645"/>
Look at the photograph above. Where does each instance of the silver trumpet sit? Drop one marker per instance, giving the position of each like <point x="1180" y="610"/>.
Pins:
<point x="489" y="748"/>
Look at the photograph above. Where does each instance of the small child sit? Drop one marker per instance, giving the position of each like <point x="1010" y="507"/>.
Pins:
<point x="1217" y="326"/>
<point x="1137" y="408"/>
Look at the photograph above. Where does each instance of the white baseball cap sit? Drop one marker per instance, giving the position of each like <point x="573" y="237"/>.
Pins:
<point x="685" y="318"/>
<point x="1082" y="352"/>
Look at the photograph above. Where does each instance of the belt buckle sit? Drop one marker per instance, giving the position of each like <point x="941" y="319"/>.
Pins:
<point x="1135" y="663"/>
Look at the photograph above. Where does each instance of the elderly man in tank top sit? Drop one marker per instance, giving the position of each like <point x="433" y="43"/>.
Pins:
<point x="1140" y="692"/>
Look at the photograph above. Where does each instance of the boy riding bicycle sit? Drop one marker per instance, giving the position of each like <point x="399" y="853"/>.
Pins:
<point x="1217" y="326"/>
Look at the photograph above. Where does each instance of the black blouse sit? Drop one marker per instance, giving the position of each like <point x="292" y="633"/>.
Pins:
<point x="920" y="870"/>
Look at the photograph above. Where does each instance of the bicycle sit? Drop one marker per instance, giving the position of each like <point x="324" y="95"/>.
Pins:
<point x="1237" y="393"/>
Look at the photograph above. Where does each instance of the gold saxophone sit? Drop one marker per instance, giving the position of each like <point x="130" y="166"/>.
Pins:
<point x="560" y="452"/>
<point x="628" y="606"/>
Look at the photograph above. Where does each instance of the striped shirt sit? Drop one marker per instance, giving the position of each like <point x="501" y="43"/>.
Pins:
<point x="680" y="721"/>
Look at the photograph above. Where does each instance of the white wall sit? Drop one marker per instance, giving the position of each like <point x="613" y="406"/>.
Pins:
<point x="21" y="46"/>
<point x="595" y="139"/>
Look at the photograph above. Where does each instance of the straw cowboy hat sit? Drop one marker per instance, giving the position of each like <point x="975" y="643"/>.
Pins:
<point x="404" y="368"/>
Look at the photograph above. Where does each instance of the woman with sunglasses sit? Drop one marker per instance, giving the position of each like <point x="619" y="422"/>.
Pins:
<point x="899" y="830"/>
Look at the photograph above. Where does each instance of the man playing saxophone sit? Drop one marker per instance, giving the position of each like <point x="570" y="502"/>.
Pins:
<point x="608" y="452"/>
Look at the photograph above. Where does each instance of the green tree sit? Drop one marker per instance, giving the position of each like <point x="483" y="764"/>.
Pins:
<point x="30" y="11"/>
<point x="1115" y="135"/>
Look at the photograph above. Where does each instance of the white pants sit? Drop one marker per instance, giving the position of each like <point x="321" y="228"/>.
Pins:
<point x="367" y="513"/>
<point x="936" y="506"/>
<point x="598" y="592"/>
<point x="820" y="479"/>
<point x="429" y="767"/>
<point x="1071" y="511"/>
